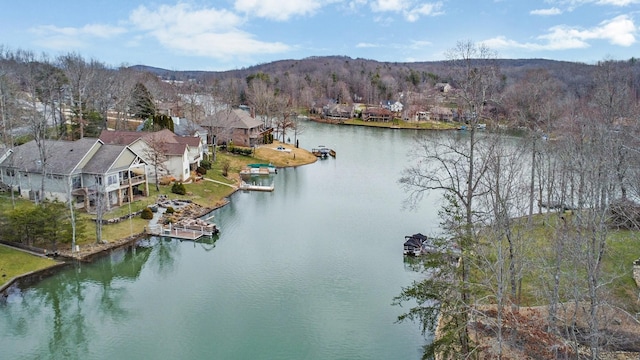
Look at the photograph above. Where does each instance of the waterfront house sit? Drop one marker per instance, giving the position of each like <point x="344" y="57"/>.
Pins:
<point x="338" y="112"/>
<point x="237" y="127"/>
<point x="181" y="153"/>
<point x="393" y="106"/>
<point x="83" y="170"/>
<point x="377" y="114"/>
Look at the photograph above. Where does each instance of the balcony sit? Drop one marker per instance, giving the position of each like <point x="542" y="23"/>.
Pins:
<point x="135" y="180"/>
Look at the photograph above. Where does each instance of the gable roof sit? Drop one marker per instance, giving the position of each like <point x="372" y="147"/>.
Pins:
<point x="104" y="159"/>
<point x="236" y="118"/>
<point x="174" y="148"/>
<point x="63" y="157"/>
<point x="119" y="137"/>
<point x="186" y="127"/>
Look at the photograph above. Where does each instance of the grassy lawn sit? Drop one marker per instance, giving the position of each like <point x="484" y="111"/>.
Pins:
<point x="622" y="249"/>
<point x="204" y="193"/>
<point x="14" y="262"/>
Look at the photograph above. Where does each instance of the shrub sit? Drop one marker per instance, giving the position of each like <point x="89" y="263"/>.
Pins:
<point x="226" y="165"/>
<point x="147" y="214"/>
<point x="178" y="188"/>
<point x="201" y="170"/>
<point x="170" y="210"/>
<point x="206" y="164"/>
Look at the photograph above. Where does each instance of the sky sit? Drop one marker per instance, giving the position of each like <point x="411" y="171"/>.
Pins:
<point x="234" y="34"/>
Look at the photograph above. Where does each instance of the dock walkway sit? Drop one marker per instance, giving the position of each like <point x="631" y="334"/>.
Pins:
<point x="254" y="187"/>
<point x="179" y="232"/>
<point x="189" y="229"/>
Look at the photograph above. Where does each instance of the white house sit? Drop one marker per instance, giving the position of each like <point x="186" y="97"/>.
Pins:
<point x="182" y="153"/>
<point x="81" y="170"/>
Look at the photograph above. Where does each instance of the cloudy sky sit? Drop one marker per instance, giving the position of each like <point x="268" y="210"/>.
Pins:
<point x="232" y="34"/>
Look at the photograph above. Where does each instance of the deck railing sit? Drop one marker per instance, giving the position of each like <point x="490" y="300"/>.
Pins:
<point x="134" y="180"/>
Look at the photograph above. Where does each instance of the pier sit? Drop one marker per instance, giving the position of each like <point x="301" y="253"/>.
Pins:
<point x="182" y="232"/>
<point x="254" y="187"/>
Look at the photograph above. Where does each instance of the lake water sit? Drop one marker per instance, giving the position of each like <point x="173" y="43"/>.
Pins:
<point x="308" y="271"/>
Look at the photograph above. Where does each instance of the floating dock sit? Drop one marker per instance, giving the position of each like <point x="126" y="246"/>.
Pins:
<point x="182" y="232"/>
<point x="259" y="169"/>
<point x="323" y="152"/>
<point x="254" y="187"/>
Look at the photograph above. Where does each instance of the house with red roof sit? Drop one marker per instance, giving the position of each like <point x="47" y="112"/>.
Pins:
<point x="179" y="154"/>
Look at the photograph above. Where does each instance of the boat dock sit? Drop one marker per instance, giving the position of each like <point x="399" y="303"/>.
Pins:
<point x="259" y="169"/>
<point x="323" y="152"/>
<point x="182" y="232"/>
<point x="254" y="187"/>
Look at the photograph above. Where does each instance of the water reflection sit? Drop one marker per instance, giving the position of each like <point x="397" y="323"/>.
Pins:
<point x="67" y="305"/>
<point x="307" y="271"/>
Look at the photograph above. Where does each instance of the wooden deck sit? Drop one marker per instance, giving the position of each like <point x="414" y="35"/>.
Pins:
<point x="180" y="233"/>
<point x="254" y="187"/>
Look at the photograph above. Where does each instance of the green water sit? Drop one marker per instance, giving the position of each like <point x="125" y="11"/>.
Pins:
<point x="306" y="272"/>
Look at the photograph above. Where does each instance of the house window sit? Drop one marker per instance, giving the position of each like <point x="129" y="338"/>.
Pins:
<point x="112" y="179"/>
<point x="99" y="180"/>
<point x="76" y="182"/>
<point x="10" y="172"/>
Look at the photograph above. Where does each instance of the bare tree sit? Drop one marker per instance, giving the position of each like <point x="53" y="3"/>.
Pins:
<point x="616" y="104"/>
<point x="534" y="103"/>
<point x="155" y="152"/>
<point x="284" y="115"/>
<point x="9" y="108"/>
<point x="122" y="90"/>
<point x="457" y="166"/>
<point x="80" y="74"/>
<point x="263" y="100"/>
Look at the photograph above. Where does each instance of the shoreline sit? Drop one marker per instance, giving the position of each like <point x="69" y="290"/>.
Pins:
<point x="66" y="257"/>
<point x="90" y="252"/>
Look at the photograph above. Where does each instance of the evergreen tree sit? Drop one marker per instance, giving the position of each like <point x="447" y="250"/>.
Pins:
<point x="141" y="102"/>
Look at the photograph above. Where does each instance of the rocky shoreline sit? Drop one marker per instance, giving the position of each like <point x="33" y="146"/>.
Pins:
<point x="90" y="252"/>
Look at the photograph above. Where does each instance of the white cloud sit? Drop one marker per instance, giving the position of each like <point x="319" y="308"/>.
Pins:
<point x="546" y="12"/>
<point x="55" y="37"/>
<point x="617" y="2"/>
<point x="366" y="45"/>
<point x="410" y="9"/>
<point x="201" y="31"/>
<point x="390" y="5"/>
<point x="619" y="31"/>
<point x="90" y="30"/>
<point x="419" y="44"/>
<point x="428" y="9"/>
<point x="279" y="10"/>
<point x="572" y="4"/>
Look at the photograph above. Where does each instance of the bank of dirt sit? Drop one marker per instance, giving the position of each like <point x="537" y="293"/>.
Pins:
<point x="525" y="336"/>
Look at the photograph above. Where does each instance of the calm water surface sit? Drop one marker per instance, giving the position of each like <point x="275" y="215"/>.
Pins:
<point x="306" y="272"/>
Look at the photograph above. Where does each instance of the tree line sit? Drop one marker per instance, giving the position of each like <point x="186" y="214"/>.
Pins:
<point x="579" y="124"/>
<point x="578" y="156"/>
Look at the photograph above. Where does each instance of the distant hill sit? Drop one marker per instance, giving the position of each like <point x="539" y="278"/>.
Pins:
<point x="317" y="63"/>
<point x="338" y="76"/>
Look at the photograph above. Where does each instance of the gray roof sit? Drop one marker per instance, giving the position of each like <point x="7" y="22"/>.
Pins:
<point x="63" y="157"/>
<point x="237" y="119"/>
<point x="104" y="159"/>
<point x="186" y="127"/>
